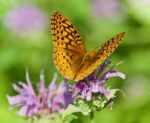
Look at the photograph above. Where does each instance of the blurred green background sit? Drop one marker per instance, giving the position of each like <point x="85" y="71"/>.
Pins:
<point x="25" y="42"/>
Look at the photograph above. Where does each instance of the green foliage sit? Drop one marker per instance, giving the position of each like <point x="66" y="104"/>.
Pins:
<point x="35" y="52"/>
<point x="69" y="111"/>
<point x="85" y="107"/>
<point x="55" y="119"/>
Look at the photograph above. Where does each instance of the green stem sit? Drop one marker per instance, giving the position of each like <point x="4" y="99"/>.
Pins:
<point x="92" y="117"/>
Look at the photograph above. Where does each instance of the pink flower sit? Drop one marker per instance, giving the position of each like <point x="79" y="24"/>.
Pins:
<point x="24" y="19"/>
<point x="94" y="84"/>
<point x="45" y="102"/>
<point x="105" y="8"/>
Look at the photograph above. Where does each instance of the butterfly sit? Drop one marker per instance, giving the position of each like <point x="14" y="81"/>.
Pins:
<point x="70" y="55"/>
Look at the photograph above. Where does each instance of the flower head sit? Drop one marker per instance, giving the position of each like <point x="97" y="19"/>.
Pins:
<point x="92" y="92"/>
<point x="106" y="8"/>
<point x="24" y="19"/>
<point x="45" y="102"/>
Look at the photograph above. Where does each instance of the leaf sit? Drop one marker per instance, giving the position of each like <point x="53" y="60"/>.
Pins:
<point x="113" y="92"/>
<point x="84" y="107"/>
<point x="69" y="111"/>
<point x="48" y="120"/>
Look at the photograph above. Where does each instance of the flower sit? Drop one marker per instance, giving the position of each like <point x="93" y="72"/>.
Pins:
<point x="105" y="8"/>
<point x="43" y="103"/>
<point x="91" y="93"/>
<point x="24" y="19"/>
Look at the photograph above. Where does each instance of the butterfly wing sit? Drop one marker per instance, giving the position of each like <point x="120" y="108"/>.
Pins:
<point x="69" y="48"/>
<point x="90" y="65"/>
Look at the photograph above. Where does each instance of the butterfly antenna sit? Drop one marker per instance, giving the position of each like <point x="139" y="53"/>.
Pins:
<point x="118" y="63"/>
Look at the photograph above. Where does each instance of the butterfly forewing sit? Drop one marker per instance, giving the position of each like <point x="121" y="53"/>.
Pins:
<point x="69" y="48"/>
<point x="105" y="50"/>
<point x="65" y="34"/>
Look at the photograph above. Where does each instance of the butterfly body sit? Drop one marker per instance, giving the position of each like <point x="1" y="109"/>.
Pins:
<point x="70" y="55"/>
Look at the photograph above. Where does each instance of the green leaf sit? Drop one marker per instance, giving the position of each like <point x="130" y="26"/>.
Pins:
<point x="85" y="107"/>
<point x="112" y="93"/>
<point x="69" y="111"/>
<point x="99" y="103"/>
<point x="48" y="120"/>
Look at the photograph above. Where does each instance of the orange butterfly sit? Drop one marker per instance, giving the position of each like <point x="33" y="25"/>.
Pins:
<point x="70" y="56"/>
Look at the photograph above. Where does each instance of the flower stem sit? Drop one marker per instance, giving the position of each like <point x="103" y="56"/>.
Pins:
<point x="92" y="117"/>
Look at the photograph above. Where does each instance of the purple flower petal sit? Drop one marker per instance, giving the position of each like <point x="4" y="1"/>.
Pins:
<point x="23" y="111"/>
<point x="45" y="101"/>
<point x="15" y="100"/>
<point x="104" y="91"/>
<point x="102" y="67"/>
<point x="95" y="87"/>
<point x="88" y="95"/>
<point x="17" y="88"/>
<point x="113" y="73"/>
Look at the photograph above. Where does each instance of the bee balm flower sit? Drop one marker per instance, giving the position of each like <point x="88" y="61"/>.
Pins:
<point x="45" y="102"/>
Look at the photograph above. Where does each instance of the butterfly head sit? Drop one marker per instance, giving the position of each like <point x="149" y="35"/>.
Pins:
<point x="89" y="56"/>
<point x="92" y="53"/>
